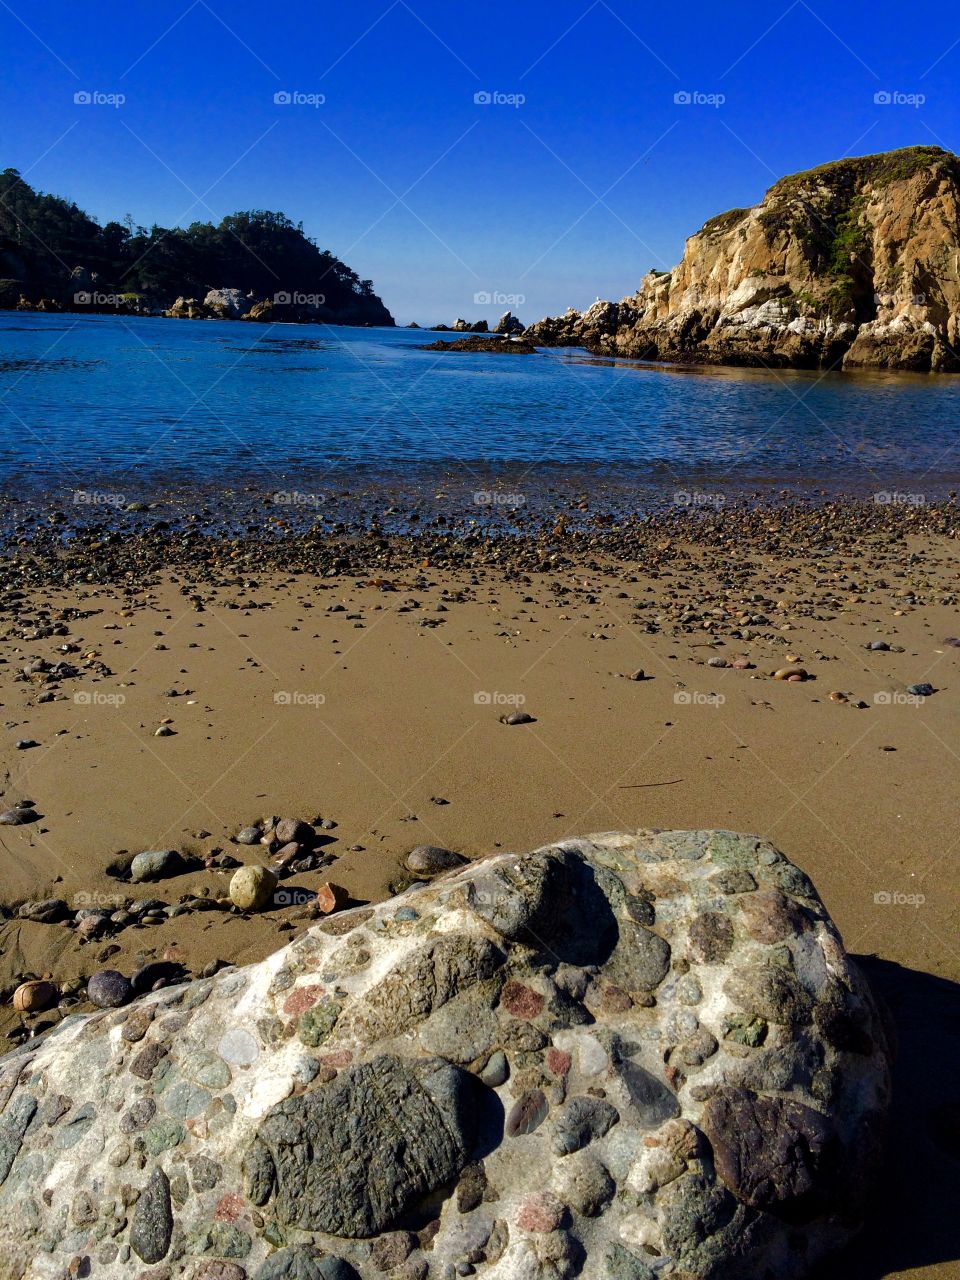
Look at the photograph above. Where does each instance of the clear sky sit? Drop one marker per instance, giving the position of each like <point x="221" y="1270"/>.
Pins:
<point x="575" y="171"/>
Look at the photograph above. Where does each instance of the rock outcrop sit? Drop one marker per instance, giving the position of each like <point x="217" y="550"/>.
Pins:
<point x="509" y="324"/>
<point x="855" y="264"/>
<point x="626" y="1056"/>
<point x="226" y="304"/>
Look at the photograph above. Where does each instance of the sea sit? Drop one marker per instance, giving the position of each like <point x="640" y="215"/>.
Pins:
<point x="105" y="411"/>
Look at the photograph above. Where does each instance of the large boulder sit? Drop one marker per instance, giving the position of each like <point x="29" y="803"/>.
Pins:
<point x="226" y="304"/>
<point x="629" y="1055"/>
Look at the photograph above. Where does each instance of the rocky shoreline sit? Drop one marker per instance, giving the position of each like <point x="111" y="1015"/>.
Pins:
<point x="45" y="545"/>
<point x="853" y="265"/>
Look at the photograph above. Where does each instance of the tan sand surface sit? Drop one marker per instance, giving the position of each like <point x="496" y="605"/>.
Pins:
<point x="370" y="715"/>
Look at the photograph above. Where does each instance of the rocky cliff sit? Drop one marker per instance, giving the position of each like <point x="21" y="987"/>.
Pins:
<point x="855" y="264"/>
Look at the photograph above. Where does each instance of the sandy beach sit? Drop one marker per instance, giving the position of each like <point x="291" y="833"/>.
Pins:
<point x="376" y="704"/>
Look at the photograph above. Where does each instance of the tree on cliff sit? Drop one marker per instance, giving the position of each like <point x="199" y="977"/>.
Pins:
<point x="44" y="238"/>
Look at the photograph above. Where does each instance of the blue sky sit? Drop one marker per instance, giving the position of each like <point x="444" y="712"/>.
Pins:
<point x="580" y="174"/>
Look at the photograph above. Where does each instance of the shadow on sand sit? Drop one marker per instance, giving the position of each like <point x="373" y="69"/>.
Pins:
<point x="916" y="1217"/>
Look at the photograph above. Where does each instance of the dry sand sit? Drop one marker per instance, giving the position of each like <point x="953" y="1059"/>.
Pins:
<point x="370" y="715"/>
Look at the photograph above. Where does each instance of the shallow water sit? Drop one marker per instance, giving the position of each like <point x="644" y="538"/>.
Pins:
<point x="96" y="404"/>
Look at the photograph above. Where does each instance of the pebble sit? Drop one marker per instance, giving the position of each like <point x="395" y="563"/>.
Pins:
<point x="294" y="831"/>
<point x="156" y="864"/>
<point x="109" y="989"/>
<point x="922" y="690"/>
<point x="46" y="911"/>
<point x="517" y="717"/>
<point x="496" y="1071"/>
<point x="18" y="817"/>
<point x="32" y="997"/>
<point x="24" y="744"/>
<point x="249" y="835"/>
<point x="331" y="897"/>
<point x="251" y="888"/>
<point x="794" y="674"/>
<point x="163" y="732"/>
<point x="430" y="860"/>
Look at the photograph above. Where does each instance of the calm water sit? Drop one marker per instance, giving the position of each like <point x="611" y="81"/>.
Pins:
<point x="94" y="402"/>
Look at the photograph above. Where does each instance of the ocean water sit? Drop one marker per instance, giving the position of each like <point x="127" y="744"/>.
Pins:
<point x="90" y="403"/>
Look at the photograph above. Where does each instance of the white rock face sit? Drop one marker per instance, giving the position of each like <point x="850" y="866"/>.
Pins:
<point x="684" y="1074"/>
<point x="229" y="304"/>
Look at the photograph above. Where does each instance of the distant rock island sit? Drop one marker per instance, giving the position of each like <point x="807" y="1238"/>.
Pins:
<point x="855" y="264"/>
<point x="256" y="265"/>
<point x="505" y="336"/>
<point x="498" y="344"/>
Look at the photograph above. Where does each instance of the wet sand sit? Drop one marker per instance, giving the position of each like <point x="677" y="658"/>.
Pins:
<point x="369" y="699"/>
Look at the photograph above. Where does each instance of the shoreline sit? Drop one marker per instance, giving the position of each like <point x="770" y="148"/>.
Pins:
<point x="439" y="508"/>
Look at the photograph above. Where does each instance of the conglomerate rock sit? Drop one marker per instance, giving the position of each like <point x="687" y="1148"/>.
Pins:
<point x="634" y="1055"/>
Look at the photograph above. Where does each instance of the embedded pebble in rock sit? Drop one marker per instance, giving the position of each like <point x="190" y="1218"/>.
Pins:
<point x="626" y="1055"/>
<point x="152" y="1223"/>
<point x="429" y="860"/>
<point x="109" y="989"/>
<point x="251" y="888"/>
